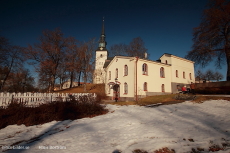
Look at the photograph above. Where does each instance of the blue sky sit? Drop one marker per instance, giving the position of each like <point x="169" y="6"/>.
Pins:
<point x="164" y="25"/>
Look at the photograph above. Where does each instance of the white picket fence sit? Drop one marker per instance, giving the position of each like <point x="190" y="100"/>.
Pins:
<point x="35" y="99"/>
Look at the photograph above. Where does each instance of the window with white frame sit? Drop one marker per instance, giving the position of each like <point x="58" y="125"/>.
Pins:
<point x="163" y="88"/>
<point x="144" y="69"/>
<point x="184" y="75"/>
<point x="109" y="75"/>
<point x="162" y="72"/>
<point x="116" y="73"/>
<point x="125" y="70"/>
<point x="125" y="88"/>
<point x="145" y="86"/>
<point x="177" y="73"/>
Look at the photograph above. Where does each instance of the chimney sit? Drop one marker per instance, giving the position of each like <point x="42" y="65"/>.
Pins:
<point x="146" y="55"/>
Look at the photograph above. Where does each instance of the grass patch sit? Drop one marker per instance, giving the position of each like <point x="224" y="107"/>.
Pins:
<point x="158" y="99"/>
<point x="167" y="99"/>
<point x="123" y="103"/>
<point x="149" y="100"/>
<point x="201" y="98"/>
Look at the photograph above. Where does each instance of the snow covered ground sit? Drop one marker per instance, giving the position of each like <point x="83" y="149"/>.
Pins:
<point x="179" y="126"/>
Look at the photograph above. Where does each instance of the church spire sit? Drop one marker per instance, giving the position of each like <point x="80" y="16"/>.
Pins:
<point x="103" y="27"/>
<point x="102" y="42"/>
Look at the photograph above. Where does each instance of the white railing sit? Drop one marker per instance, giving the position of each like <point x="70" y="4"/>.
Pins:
<point x="35" y="99"/>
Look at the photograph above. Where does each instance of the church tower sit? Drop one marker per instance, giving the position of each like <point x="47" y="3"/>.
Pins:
<point x="101" y="56"/>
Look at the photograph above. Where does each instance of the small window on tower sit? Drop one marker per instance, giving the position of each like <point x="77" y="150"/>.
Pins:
<point x="101" y="55"/>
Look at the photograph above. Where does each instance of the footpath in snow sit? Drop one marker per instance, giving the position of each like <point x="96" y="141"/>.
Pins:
<point x="180" y="127"/>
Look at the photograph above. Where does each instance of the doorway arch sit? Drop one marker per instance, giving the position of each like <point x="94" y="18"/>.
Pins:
<point x="116" y="92"/>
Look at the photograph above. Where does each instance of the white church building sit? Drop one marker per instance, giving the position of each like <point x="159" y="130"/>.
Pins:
<point x="131" y="78"/>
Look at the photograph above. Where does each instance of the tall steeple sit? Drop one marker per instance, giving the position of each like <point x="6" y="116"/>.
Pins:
<point x="102" y="42"/>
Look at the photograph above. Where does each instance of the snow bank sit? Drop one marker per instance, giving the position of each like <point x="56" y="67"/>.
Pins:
<point x="180" y="127"/>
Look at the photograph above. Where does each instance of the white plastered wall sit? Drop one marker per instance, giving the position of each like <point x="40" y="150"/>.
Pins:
<point x="118" y="63"/>
<point x="153" y="79"/>
<point x="181" y="65"/>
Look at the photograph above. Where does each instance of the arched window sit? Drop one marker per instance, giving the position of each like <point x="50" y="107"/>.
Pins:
<point x="109" y="75"/>
<point x="125" y="70"/>
<point x="184" y="75"/>
<point x="144" y="69"/>
<point x="125" y="88"/>
<point x="145" y="86"/>
<point x="190" y="76"/>
<point x="163" y="88"/>
<point x="166" y="62"/>
<point x="116" y="73"/>
<point x="177" y="73"/>
<point x="162" y="72"/>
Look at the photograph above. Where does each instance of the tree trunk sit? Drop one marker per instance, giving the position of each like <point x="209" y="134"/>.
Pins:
<point x="71" y="79"/>
<point x="228" y="64"/>
<point x="79" y="79"/>
<point x="84" y="81"/>
<point x="52" y="84"/>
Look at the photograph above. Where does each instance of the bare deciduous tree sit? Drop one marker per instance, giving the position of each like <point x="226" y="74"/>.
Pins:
<point x="218" y="76"/>
<point x="211" y="38"/>
<point x="209" y="75"/>
<point x="135" y="48"/>
<point x="21" y="81"/>
<point x="48" y="53"/>
<point x="199" y="75"/>
<point x="72" y="59"/>
<point x="87" y="60"/>
<point x="4" y="48"/>
<point x="11" y="58"/>
<point x="118" y="50"/>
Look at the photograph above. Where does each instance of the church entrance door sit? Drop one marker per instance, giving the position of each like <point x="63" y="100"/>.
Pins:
<point x="116" y="92"/>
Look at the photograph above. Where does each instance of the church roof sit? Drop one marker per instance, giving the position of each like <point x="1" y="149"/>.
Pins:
<point x="109" y="59"/>
<point x="171" y="55"/>
<point x="102" y="42"/>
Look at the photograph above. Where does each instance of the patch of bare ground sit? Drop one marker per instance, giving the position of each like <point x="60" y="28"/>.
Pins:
<point x="170" y="99"/>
